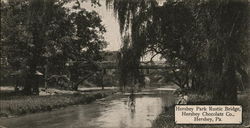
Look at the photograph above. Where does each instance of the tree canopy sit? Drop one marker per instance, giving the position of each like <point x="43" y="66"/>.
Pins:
<point x="35" y="33"/>
<point x="207" y="41"/>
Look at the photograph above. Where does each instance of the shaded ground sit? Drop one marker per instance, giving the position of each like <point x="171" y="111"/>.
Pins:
<point x="166" y="118"/>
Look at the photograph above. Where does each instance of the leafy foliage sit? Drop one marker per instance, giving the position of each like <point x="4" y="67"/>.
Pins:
<point x="36" y="33"/>
<point x="205" y="41"/>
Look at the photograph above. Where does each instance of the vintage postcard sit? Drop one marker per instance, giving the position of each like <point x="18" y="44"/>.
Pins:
<point x="125" y="64"/>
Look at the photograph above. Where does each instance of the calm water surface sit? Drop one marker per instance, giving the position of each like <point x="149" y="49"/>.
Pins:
<point x="113" y="113"/>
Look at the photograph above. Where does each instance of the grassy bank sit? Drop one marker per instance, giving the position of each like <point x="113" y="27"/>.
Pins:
<point x="19" y="105"/>
<point x="167" y="120"/>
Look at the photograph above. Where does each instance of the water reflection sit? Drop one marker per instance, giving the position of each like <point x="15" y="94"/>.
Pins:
<point x="114" y="113"/>
<point x="120" y="114"/>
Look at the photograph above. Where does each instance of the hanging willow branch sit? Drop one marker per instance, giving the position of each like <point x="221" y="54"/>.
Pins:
<point x="133" y="17"/>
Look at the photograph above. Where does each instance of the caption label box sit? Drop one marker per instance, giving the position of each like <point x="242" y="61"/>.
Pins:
<point x="208" y="114"/>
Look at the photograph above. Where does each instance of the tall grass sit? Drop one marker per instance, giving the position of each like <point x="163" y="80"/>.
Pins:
<point x="19" y="105"/>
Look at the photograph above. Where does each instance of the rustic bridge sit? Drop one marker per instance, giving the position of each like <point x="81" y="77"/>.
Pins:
<point x="143" y="65"/>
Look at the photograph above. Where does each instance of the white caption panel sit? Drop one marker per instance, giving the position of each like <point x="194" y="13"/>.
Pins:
<point x="208" y="114"/>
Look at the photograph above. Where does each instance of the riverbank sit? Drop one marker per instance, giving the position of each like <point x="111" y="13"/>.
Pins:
<point x="16" y="105"/>
<point x="113" y="111"/>
<point x="167" y="120"/>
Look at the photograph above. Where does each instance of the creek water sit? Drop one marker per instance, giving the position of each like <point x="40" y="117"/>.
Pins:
<point x="106" y="113"/>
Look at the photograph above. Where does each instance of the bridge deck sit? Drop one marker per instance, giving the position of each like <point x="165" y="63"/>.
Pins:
<point x="113" y="65"/>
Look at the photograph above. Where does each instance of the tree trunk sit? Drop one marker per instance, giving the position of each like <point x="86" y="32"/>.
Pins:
<point x="231" y="85"/>
<point x="31" y="82"/>
<point x="27" y="86"/>
<point x="46" y="76"/>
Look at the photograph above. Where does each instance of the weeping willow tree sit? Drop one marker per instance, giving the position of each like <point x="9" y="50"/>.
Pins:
<point x="134" y="18"/>
<point x="147" y="27"/>
<point x="207" y="39"/>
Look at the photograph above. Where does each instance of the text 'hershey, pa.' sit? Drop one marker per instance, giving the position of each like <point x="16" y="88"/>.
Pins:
<point x="208" y="114"/>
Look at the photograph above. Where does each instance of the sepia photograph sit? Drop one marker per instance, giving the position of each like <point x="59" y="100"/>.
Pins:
<point x="125" y="64"/>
